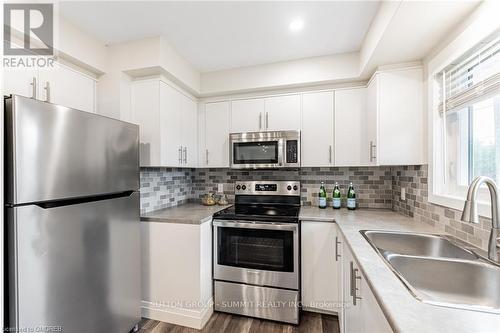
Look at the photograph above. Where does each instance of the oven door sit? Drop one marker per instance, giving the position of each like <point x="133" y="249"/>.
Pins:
<point x="256" y="153"/>
<point x="263" y="254"/>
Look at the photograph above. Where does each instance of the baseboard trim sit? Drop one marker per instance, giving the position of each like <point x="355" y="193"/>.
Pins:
<point x="322" y="311"/>
<point x="196" y="319"/>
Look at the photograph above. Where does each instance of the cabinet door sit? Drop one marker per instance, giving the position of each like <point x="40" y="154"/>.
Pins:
<point x="247" y="115"/>
<point x="282" y="113"/>
<point x="189" y="132"/>
<point x="365" y="315"/>
<point x="352" y="316"/>
<point x="317" y="129"/>
<point x="170" y="125"/>
<point x="146" y="113"/>
<point x="67" y="87"/>
<point x="217" y="134"/>
<point x="370" y="139"/>
<point x="401" y="116"/>
<point x="202" y="151"/>
<point x="373" y="317"/>
<point x="20" y="82"/>
<point x="320" y="267"/>
<point x="350" y="123"/>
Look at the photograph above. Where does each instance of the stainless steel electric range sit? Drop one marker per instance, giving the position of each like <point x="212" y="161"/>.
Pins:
<point x="256" y="252"/>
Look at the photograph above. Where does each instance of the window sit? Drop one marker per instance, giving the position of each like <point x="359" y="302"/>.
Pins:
<point x="469" y="106"/>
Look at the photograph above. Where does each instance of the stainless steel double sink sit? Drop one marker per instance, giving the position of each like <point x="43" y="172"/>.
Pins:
<point x="438" y="270"/>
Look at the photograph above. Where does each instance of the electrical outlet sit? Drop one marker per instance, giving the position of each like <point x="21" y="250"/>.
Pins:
<point x="220" y="188"/>
<point x="403" y="193"/>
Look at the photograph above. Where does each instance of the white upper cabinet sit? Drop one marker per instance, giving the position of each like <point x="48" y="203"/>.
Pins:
<point x="350" y="127"/>
<point x="282" y="113"/>
<point x="146" y="110"/>
<point x="317" y="129"/>
<point x="168" y="124"/>
<point x="370" y="136"/>
<point x="247" y="115"/>
<point x="20" y="82"/>
<point x="216" y="135"/>
<point x="190" y="131"/>
<point x="395" y="104"/>
<point x="60" y="85"/>
<point x="65" y="86"/>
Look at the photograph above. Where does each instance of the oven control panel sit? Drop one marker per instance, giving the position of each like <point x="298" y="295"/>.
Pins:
<point x="267" y="188"/>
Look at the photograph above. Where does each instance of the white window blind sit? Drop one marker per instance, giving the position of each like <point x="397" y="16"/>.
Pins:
<point x="472" y="77"/>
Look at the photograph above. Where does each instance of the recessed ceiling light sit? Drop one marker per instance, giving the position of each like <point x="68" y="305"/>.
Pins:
<point x="296" y="25"/>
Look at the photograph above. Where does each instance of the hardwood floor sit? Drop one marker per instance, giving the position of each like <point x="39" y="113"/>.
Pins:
<point x="226" y="323"/>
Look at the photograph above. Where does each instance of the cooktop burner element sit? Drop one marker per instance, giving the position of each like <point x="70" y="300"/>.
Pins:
<point x="264" y="201"/>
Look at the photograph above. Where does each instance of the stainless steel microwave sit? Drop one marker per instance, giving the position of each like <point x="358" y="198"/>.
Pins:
<point x="265" y="150"/>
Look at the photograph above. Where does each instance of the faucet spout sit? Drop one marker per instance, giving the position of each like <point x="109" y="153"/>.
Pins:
<point x="470" y="212"/>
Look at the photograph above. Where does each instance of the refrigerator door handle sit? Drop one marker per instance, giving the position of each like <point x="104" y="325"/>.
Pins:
<point x="77" y="201"/>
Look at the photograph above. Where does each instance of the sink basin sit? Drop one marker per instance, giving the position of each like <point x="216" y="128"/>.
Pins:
<point x="424" y="245"/>
<point x="457" y="283"/>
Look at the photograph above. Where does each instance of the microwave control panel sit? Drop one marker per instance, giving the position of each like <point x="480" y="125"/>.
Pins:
<point x="292" y="155"/>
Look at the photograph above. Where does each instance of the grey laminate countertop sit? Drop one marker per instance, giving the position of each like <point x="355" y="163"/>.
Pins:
<point x="404" y="312"/>
<point x="190" y="213"/>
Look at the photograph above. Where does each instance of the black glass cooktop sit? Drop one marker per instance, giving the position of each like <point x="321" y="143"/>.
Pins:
<point x="270" y="213"/>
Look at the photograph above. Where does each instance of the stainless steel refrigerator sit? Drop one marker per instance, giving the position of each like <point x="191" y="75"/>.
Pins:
<point x="72" y="219"/>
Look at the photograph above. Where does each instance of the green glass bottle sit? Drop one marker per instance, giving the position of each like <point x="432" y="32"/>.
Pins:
<point x="336" y="200"/>
<point x="322" y="196"/>
<point x="351" y="197"/>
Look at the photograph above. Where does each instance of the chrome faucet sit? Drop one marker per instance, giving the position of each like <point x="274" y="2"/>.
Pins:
<point x="470" y="213"/>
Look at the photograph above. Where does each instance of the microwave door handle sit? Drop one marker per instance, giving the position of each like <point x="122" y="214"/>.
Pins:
<point x="281" y="152"/>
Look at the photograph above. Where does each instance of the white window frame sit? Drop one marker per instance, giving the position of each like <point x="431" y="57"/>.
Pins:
<point x="482" y="26"/>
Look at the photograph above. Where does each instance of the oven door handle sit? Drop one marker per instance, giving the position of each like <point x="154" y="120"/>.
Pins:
<point x="256" y="225"/>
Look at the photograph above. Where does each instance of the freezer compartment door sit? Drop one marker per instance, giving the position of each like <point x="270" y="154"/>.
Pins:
<point x="54" y="152"/>
<point x="77" y="266"/>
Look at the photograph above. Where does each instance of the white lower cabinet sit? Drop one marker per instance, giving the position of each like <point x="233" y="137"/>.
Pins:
<point x="361" y="312"/>
<point x="177" y="272"/>
<point x="321" y="267"/>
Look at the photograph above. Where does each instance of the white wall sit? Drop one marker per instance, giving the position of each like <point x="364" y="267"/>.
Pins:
<point x="82" y="48"/>
<point x="145" y="57"/>
<point x="317" y="70"/>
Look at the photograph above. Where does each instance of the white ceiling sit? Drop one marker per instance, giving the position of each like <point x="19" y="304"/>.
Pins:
<point x="221" y="35"/>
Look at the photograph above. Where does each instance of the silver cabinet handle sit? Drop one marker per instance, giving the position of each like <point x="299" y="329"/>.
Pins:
<point x="47" y="91"/>
<point x="354" y="289"/>
<point x="330" y="153"/>
<point x="206" y="155"/>
<point x="185" y="155"/>
<point x="351" y="277"/>
<point x="267" y="120"/>
<point x="372" y="156"/>
<point x="260" y="121"/>
<point x="180" y="155"/>
<point x="337" y="255"/>
<point x="33" y="87"/>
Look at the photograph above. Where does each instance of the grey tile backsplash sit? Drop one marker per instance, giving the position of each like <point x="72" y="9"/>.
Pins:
<point x="376" y="187"/>
<point x="372" y="184"/>
<point x="443" y="219"/>
<point x="164" y="187"/>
